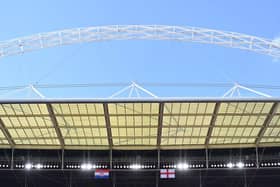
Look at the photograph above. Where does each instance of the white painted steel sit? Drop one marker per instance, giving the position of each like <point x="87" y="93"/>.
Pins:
<point x="139" y="32"/>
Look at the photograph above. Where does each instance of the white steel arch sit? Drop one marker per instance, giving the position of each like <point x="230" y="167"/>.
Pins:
<point x="140" y="32"/>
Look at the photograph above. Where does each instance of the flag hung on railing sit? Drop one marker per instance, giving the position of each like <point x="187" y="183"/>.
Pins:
<point x="101" y="173"/>
<point x="167" y="173"/>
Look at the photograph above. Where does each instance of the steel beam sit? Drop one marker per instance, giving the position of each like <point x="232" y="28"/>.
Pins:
<point x="108" y="124"/>
<point x="266" y="122"/>
<point x="55" y="125"/>
<point x="212" y="123"/>
<point x="26" y="44"/>
<point x="7" y="134"/>
<point x="160" y="121"/>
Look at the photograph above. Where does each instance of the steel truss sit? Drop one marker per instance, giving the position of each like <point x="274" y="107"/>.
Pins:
<point x="140" y="32"/>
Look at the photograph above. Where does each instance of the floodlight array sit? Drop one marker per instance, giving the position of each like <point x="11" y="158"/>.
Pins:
<point x="135" y="166"/>
<point x="142" y="166"/>
<point x="239" y="165"/>
<point x="270" y="164"/>
<point x="29" y="166"/>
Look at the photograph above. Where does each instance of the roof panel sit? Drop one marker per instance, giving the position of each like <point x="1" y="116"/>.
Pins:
<point x="135" y="123"/>
<point x="189" y="108"/>
<point x="23" y="109"/>
<point x="273" y="130"/>
<point x="184" y="120"/>
<point x="81" y="123"/>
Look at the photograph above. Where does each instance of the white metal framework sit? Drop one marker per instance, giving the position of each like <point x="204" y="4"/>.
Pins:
<point x="140" y="32"/>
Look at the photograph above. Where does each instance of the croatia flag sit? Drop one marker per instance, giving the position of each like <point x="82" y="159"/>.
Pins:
<point x="167" y="173"/>
<point x="101" y="173"/>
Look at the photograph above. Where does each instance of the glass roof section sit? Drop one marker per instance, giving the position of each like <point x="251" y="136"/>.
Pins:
<point x="136" y="124"/>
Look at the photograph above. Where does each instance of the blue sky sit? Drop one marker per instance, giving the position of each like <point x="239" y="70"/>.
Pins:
<point x="140" y="61"/>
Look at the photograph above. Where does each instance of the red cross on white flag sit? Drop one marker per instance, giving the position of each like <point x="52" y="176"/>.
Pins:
<point x="167" y="173"/>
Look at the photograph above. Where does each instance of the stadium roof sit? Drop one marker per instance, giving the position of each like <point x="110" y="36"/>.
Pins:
<point x="160" y="123"/>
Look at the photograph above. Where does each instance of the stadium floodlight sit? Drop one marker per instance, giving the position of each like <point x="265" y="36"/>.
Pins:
<point x="87" y="166"/>
<point x="240" y="165"/>
<point x="230" y="165"/>
<point x="28" y="166"/>
<point x="182" y="166"/>
<point x="135" y="166"/>
<point x="38" y="166"/>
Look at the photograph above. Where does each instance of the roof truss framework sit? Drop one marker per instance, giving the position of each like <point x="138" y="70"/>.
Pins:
<point x="267" y="122"/>
<point x="6" y="134"/>
<point x="212" y="123"/>
<point x="144" y="32"/>
<point x="108" y="124"/>
<point x="136" y="124"/>
<point x="55" y="125"/>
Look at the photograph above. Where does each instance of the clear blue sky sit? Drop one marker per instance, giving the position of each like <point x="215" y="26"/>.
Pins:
<point x="140" y="61"/>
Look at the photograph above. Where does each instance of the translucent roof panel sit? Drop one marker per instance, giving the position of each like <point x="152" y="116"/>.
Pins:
<point x="239" y="122"/>
<point x="186" y="123"/>
<point x="3" y="139"/>
<point x="182" y="141"/>
<point x="189" y="108"/>
<point x="78" y="109"/>
<point x="23" y="109"/>
<point x="29" y="124"/>
<point x="272" y="132"/>
<point x="245" y="107"/>
<point x="134" y="123"/>
<point x="237" y="140"/>
<point x="82" y="123"/>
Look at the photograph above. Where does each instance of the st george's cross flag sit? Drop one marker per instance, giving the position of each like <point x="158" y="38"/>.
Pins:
<point x="101" y="173"/>
<point x="167" y="173"/>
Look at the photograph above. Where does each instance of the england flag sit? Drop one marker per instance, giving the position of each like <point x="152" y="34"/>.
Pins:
<point x="101" y="173"/>
<point x="167" y="173"/>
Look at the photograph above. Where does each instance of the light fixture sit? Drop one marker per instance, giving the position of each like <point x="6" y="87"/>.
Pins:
<point x="28" y="166"/>
<point x="87" y="166"/>
<point x="230" y="165"/>
<point x="240" y="165"/>
<point x="135" y="166"/>
<point x="182" y="166"/>
<point x="38" y="166"/>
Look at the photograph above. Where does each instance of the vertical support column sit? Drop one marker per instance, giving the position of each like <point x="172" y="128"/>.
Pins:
<point x="160" y="119"/>
<point x="114" y="179"/>
<point x="12" y="159"/>
<point x="158" y="166"/>
<point x="245" y="178"/>
<point x="207" y="158"/>
<point x="157" y="179"/>
<point x="257" y="157"/>
<point x="200" y="178"/>
<point x="111" y="159"/>
<point x="62" y="159"/>
<point x="70" y="179"/>
<point x="158" y="158"/>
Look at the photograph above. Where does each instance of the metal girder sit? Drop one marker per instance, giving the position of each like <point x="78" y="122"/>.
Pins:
<point x="140" y="32"/>
<point x="266" y="122"/>
<point x="212" y="123"/>
<point x="7" y="134"/>
<point x="160" y="120"/>
<point x="108" y="125"/>
<point x="55" y="125"/>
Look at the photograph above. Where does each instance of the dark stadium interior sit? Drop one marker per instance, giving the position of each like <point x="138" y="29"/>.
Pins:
<point x="263" y="173"/>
